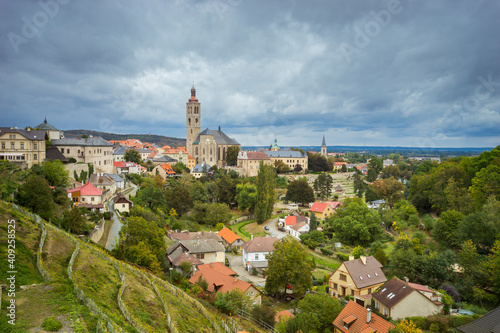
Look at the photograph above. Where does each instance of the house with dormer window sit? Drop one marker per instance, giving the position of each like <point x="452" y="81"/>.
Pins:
<point x="357" y="278"/>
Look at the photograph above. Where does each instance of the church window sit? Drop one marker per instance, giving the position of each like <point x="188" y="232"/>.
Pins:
<point x="210" y="152"/>
<point x="191" y="131"/>
<point x="196" y="120"/>
<point x="203" y="151"/>
<point x="189" y="121"/>
<point x="196" y="150"/>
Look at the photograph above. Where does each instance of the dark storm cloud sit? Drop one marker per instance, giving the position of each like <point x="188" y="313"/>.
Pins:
<point x="379" y="73"/>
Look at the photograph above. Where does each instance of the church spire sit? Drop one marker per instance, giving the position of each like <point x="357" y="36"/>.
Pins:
<point x="193" y="95"/>
<point x="324" y="142"/>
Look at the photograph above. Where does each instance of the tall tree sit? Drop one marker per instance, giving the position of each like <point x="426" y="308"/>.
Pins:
<point x="319" y="310"/>
<point x="266" y="184"/>
<point x="246" y="197"/>
<point x="313" y="222"/>
<point x="132" y="155"/>
<point x="289" y="265"/>
<point x="359" y="185"/>
<point x="323" y="185"/>
<point x="56" y="174"/>
<point x="299" y="191"/>
<point x="232" y="155"/>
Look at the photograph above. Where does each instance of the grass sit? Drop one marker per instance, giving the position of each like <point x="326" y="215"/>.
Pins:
<point x="238" y="228"/>
<point x="324" y="262"/>
<point x="104" y="239"/>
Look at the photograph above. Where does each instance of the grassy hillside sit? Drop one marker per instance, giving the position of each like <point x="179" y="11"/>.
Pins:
<point x="160" y="140"/>
<point x="84" y="288"/>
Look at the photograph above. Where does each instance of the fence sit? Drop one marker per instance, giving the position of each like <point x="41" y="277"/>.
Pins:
<point x="257" y="321"/>
<point x="39" y="263"/>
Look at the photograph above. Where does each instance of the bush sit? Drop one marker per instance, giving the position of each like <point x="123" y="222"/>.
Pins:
<point x="51" y="324"/>
<point x="107" y="215"/>
<point x="326" y="252"/>
<point x="429" y="222"/>
<point x="343" y="256"/>
<point x="72" y="160"/>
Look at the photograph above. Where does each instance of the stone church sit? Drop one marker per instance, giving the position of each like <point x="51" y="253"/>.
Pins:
<point x="208" y="146"/>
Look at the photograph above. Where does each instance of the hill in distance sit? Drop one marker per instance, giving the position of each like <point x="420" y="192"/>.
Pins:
<point x="159" y="140"/>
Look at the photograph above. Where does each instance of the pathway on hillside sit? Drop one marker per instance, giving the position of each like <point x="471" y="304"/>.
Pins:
<point x="115" y="229"/>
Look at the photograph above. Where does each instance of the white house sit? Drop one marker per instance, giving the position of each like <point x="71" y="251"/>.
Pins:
<point x="298" y="229"/>
<point x="255" y="252"/>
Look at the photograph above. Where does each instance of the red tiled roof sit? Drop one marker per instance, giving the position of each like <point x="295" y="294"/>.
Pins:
<point x="260" y="244"/>
<point x="256" y="155"/>
<point x="420" y="287"/>
<point x="218" y="280"/>
<point x="168" y="169"/>
<point x="228" y="235"/>
<point x="283" y="314"/>
<point x="291" y="220"/>
<point x="354" y="315"/>
<point x="318" y="207"/>
<point x="87" y="189"/>
<point x="124" y="164"/>
<point x="334" y="204"/>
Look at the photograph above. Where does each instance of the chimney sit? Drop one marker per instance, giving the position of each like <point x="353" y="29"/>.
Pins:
<point x="363" y="259"/>
<point x="235" y="279"/>
<point x="212" y="264"/>
<point x="351" y="257"/>
<point x="406" y="280"/>
<point x="368" y="315"/>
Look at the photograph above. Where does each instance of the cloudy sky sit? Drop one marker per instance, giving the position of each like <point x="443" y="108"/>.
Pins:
<point x="374" y="73"/>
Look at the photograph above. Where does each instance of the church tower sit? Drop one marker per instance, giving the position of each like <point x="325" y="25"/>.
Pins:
<point x="324" y="148"/>
<point x="193" y="125"/>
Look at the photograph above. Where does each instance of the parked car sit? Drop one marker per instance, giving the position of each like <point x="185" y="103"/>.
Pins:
<point x="266" y="228"/>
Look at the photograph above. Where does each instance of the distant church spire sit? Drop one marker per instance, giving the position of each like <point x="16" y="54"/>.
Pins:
<point x="324" y="142"/>
<point x="45" y="121"/>
<point x="193" y="91"/>
<point x="324" y="148"/>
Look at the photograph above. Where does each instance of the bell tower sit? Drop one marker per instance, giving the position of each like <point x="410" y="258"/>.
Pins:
<point x="324" y="148"/>
<point x="193" y="125"/>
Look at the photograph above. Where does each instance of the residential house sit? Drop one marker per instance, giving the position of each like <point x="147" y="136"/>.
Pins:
<point x="249" y="162"/>
<point x="337" y="166"/>
<point x="162" y="159"/>
<point x="143" y="152"/>
<point x="299" y="229"/>
<point x="489" y="323"/>
<point x="354" y="318"/>
<point x="22" y="147"/>
<point x="376" y="204"/>
<point x="291" y="220"/>
<point x="206" y="250"/>
<point x="122" y="204"/>
<point x="87" y="196"/>
<point x="186" y="235"/>
<point x="119" y="181"/>
<point x="127" y="168"/>
<point x="322" y="210"/>
<point x="164" y="170"/>
<point x="201" y="169"/>
<point x="339" y="189"/>
<point x="230" y="239"/>
<point x="178" y="154"/>
<point x="357" y="278"/>
<point x="221" y="279"/>
<point x="177" y="254"/>
<point x="50" y="131"/>
<point x="105" y="183"/>
<point x="387" y="162"/>
<point x="255" y="252"/>
<point x="398" y="300"/>
<point x="118" y="154"/>
<point x="191" y="162"/>
<point x="93" y="150"/>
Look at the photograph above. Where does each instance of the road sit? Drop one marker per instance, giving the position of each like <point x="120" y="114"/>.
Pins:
<point x="273" y="229"/>
<point x="236" y="264"/>
<point x="114" y="232"/>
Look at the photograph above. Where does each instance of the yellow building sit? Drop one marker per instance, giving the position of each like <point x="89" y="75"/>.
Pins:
<point x="358" y="278"/>
<point x="22" y="147"/>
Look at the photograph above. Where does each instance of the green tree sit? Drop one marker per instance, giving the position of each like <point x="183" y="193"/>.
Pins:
<point x="389" y="189"/>
<point x="289" y="265"/>
<point x="445" y="228"/>
<point x="36" y="195"/>
<point x="391" y="171"/>
<point x="356" y="224"/>
<point x="231" y="302"/>
<point x="266" y="184"/>
<point x="318" y="163"/>
<point x="210" y="213"/>
<point x="343" y="168"/>
<point x="494" y="267"/>
<point x="486" y="184"/>
<point x="132" y="155"/>
<point x="56" y="174"/>
<point x="467" y="259"/>
<point x="358" y="251"/>
<point x="180" y="168"/>
<point x="91" y="169"/>
<point x="371" y="175"/>
<point x="74" y="221"/>
<point x="319" y="310"/>
<point x="299" y="191"/>
<point x="232" y="155"/>
<point x="246" y="197"/>
<point x="313" y="222"/>
<point x="281" y="166"/>
<point x="359" y="185"/>
<point x="376" y="164"/>
<point x="178" y="197"/>
<point x="199" y="193"/>
<point x="323" y="185"/>
<point x="151" y="196"/>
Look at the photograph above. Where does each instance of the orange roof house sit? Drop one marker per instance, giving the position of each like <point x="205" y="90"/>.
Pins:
<point x="164" y="170"/>
<point x="322" y="210"/>
<point x="356" y="319"/>
<point x="230" y="239"/>
<point x="222" y="279"/>
<point x="87" y="196"/>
